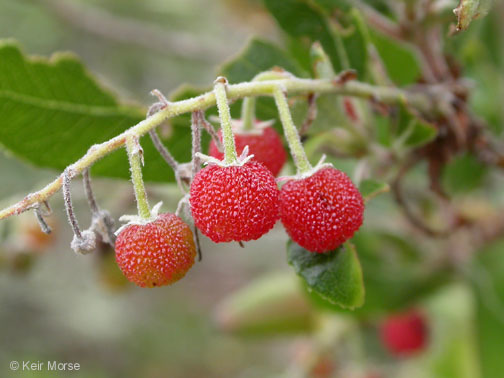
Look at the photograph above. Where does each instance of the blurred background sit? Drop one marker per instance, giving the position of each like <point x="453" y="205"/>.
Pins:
<point x="56" y="305"/>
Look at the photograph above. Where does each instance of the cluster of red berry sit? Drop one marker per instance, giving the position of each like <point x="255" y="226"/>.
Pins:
<point x="241" y="202"/>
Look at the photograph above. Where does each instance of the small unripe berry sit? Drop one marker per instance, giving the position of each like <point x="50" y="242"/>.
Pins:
<point x="157" y="253"/>
<point x="234" y="203"/>
<point x="404" y="334"/>
<point x="321" y="211"/>
<point x="266" y="146"/>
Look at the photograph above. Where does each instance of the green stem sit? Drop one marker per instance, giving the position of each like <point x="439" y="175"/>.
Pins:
<point x="291" y="134"/>
<point x="421" y="100"/>
<point x="248" y="113"/>
<point x="230" y="155"/>
<point x="135" y="159"/>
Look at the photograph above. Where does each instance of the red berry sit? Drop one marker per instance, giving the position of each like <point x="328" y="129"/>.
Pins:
<point x="322" y="211"/>
<point x="157" y="253"/>
<point x="404" y="334"/>
<point x="266" y="147"/>
<point x="234" y="203"/>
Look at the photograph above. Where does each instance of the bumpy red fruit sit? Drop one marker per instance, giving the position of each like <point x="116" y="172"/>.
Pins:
<point x="322" y="211"/>
<point x="404" y="334"/>
<point x="234" y="203"/>
<point x="266" y="147"/>
<point x="157" y="253"/>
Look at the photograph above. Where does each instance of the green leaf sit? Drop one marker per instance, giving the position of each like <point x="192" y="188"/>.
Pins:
<point x="399" y="61"/>
<point x="346" y="45"/>
<point x="256" y="57"/>
<point x="302" y="20"/>
<point x="259" y="56"/>
<point x="413" y="130"/>
<point x="355" y="39"/>
<point x="469" y="10"/>
<point x="53" y="110"/>
<point x="372" y="188"/>
<point x="336" y="276"/>
<point x="404" y="128"/>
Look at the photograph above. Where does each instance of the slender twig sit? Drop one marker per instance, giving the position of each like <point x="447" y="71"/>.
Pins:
<point x="420" y="100"/>
<point x="161" y="97"/>
<point x="83" y="242"/>
<point x="210" y="130"/>
<point x="429" y="44"/>
<point x="46" y="229"/>
<point x="89" y="192"/>
<point x="196" y="142"/>
<point x="198" y="243"/>
<point x="380" y="22"/>
<point x="168" y="158"/>
<point x="311" y="114"/>
<point x="67" y="197"/>
<point x="156" y="140"/>
<point x="181" y="204"/>
<point x="102" y="222"/>
<point x="163" y="151"/>
<point x="47" y="208"/>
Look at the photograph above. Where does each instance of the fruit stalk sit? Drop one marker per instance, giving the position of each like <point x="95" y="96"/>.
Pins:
<point x="230" y="155"/>
<point x="135" y="159"/>
<point x="248" y="113"/>
<point x="291" y="134"/>
<point x="67" y="197"/>
<point x="86" y="180"/>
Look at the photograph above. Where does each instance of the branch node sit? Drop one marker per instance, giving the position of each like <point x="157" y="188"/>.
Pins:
<point x="344" y="77"/>
<point x="221" y="80"/>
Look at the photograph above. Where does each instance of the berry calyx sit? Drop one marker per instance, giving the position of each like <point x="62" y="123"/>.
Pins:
<point x="264" y="143"/>
<point x="156" y="253"/>
<point x="404" y="334"/>
<point x="321" y="211"/>
<point x="234" y="202"/>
